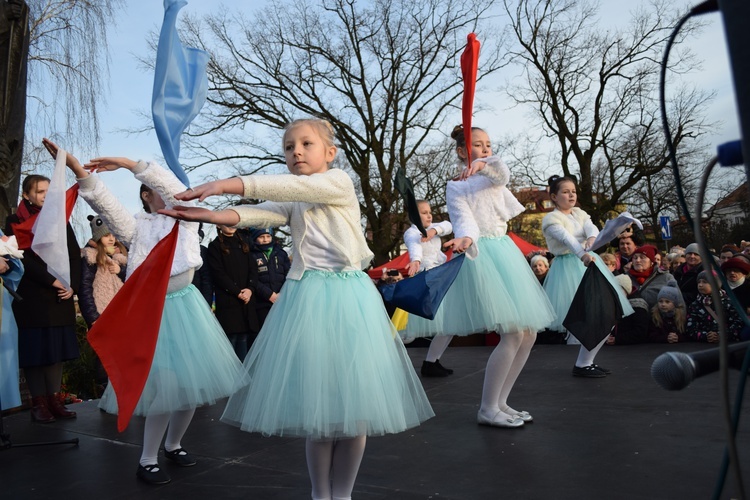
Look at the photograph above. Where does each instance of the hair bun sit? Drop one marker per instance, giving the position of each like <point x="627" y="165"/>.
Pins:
<point x="458" y="131"/>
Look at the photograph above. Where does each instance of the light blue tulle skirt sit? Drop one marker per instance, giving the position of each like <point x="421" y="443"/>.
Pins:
<point x="562" y="281"/>
<point x="194" y="363"/>
<point x="10" y="395"/>
<point x="497" y="292"/>
<point x="328" y="363"/>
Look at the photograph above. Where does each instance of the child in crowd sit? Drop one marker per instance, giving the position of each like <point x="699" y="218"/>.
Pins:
<point x="103" y="273"/>
<point x="273" y="265"/>
<point x="426" y="253"/>
<point x="103" y="270"/>
<point x="325" y="365"/>
<point x="46" y="316"/>
<point x="234" y="274"/>
<point x="496" y="291"/>
<point x="610" y="261"/>
<point x="570" y="233"/>
<point x="668" y="316"/>
<point x="193" y="363"/>
<point x="702" y="324"/>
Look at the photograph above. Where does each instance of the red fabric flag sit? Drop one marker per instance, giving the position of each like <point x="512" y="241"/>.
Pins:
<point x="469" y="65"/>
<point x="126" y="352"/>
<point x="23" y="230"/>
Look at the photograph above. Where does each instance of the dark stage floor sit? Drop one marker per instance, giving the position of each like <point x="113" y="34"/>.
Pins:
<point x="621" y="437"/>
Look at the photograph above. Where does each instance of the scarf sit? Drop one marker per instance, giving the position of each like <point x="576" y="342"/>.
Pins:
<point x="641" y="276"/>
<point x="735" y="284"/>
<point x="26" y="209"/>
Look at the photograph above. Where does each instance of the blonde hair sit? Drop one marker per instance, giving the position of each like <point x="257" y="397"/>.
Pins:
<point x="323" y="127"/>
<point x="102" y="258"/>
<point x="608" y="259"/>
<point x="680" y="317"/>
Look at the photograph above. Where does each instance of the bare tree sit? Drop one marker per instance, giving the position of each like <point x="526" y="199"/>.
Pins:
<point x="595" y="94"/>
<point x="385" y="74"/>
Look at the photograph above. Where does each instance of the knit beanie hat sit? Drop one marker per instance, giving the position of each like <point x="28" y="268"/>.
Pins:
<point x="649" y="251"/>
<point x="98" y="228"/>
<point x="671" y="291"/>
<point x="692" y="248"/>
<point x="703" y="275"/>
<point x="260" y="231"/>
<point x="625" y="283"/>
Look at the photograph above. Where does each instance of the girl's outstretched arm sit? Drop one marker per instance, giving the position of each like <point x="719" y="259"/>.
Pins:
<point x="197" y="214"/>
<point x="71" y="161"/>
<point x="109" y="164"/>
<point x="233" y="185"/>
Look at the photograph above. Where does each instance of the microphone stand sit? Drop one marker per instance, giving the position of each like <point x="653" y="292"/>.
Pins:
<point x="6" y="443"/>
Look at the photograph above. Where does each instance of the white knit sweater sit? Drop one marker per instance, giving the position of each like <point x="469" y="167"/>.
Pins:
<point x="482" y="205"/>
<point x="567" y="233"/>
<point x="327" y="200"/>
<point x="140" y="233"/>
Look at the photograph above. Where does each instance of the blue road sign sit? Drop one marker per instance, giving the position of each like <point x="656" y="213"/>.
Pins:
<point x="666" y="230"/>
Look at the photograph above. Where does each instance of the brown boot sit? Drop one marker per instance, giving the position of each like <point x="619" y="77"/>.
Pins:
<point x="39" y="411"/>
<point x="56" y="407"/>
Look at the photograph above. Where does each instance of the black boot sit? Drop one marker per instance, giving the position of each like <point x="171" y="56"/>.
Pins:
<point x="433" y="370"/>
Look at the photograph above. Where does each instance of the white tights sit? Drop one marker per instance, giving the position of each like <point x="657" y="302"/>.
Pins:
<point x="333" y="465"/>
<point x="586" y="357"/>
<point x="503" y="367"/>
<point x="437" y="347"/>
<point x="154" y="429"/>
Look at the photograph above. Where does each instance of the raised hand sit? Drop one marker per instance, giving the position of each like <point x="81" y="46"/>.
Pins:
<point x="109" y="164"/>
<point x="70" y="160"/>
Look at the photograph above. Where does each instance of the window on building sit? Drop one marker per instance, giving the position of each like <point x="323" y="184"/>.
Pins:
<point x="531" y="206"/>
<point x="548" y="204"/>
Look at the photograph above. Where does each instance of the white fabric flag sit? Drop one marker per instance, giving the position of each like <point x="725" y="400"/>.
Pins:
<point x="50" y="231"/>
<point x="613" y="228"/>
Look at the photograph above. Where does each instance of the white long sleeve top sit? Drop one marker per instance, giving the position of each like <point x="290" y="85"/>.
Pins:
<point x="322" y="211"/>
<point x="566" y="233"/>
<point x="141" y="232"/>
<point x="482" y="205"/>
<point x="428" y="253"/>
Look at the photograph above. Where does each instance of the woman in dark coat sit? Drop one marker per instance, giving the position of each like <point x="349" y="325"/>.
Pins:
<point x="46" y="316"/>
<point x="234" y="274"/>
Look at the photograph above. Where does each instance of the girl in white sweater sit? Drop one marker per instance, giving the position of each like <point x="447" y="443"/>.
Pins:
<point x="194" y="363"/>
<point x="496" y="291"/>
<point x="570" y="233"/>
<point x="327" y="364"/>
<point x="426" y="253"/>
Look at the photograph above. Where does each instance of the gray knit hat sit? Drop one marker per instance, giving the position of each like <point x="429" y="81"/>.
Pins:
<point x="692" y="248"/>
<point x="671" y="291"/>
<point x="98" y="228"/>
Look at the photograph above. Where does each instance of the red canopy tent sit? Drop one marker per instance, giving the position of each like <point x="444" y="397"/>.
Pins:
<point x="403" y="260"/>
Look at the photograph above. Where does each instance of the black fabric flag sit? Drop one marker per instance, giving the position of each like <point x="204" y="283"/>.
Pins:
<point x="422" y="293"/>
<point x="595" y="309"/>
<point x="406" y="188"/>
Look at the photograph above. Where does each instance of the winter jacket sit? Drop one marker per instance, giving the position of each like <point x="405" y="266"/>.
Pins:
<point x="230" y="273"/>
<point x="700" y="322"/>
<point x="98" y="284"/>
<point x="687" y="280"/>
<point x="40" y="306"/>
<point x="272" y="271"/>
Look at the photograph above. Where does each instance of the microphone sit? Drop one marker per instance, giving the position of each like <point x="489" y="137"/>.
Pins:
<point x="675" y="370"/>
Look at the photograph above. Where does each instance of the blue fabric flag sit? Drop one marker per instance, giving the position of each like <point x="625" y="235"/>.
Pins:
<point x="180" y="88"/>
<point x="422" y="293"/>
